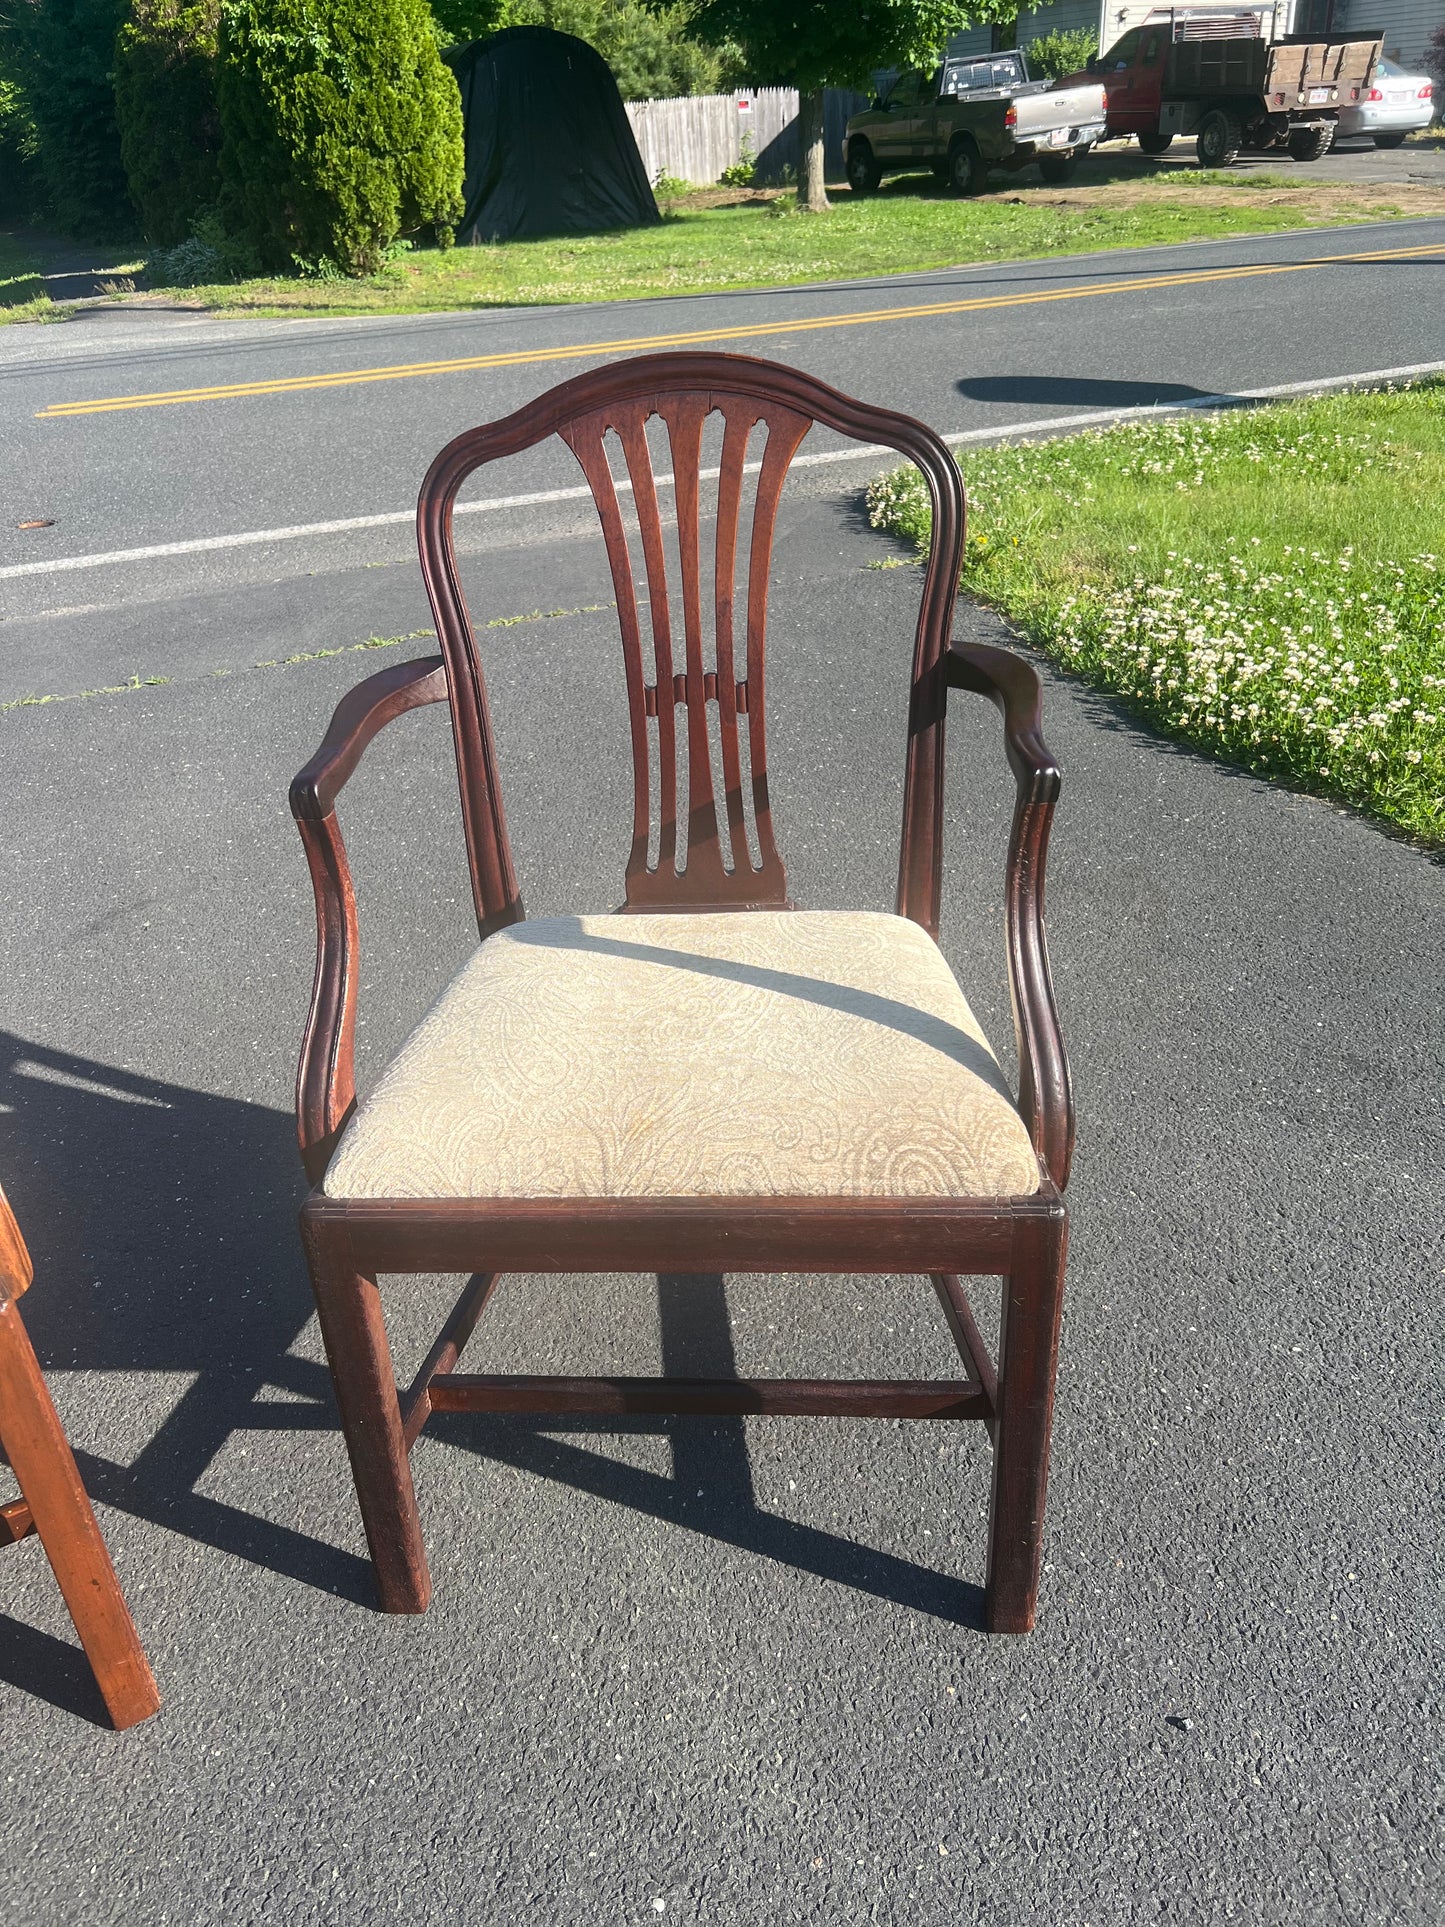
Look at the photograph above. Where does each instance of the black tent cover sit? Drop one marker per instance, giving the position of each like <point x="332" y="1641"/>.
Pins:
<point x="550" y="149"/>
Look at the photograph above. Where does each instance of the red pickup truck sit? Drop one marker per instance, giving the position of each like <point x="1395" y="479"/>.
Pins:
<point x="1218" y="78"/>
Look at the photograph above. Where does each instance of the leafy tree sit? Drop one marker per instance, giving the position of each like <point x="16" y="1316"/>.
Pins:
<point x="341" y="127"/>
<point x="651" y="54"/>
<point x="815" y="44"/>
<point x="19" y="151"/>
<point x="652" y="58"/>
<point x="460" y="21"/>
<point x="59" y="56"/>
<point x="165" y="102"/>
<point x="1061" y="52"/>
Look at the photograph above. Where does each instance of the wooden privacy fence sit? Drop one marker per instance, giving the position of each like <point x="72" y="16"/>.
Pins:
<point x="694" y="138"/>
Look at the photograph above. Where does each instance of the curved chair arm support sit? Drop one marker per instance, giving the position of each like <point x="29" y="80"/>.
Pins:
<point x="359" y="715"/>
<point x="325" y="1080"/>
<point x="1045" y="1101"/>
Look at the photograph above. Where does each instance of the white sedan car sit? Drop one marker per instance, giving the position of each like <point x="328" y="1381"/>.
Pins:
<point x="1395" y="106"/>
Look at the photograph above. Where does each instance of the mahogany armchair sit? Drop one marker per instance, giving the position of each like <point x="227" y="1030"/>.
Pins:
<point x="53" y="1503"/>
<point x="709" y="1080"/>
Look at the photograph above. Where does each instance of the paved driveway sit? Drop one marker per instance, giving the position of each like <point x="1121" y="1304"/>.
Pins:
<point x="1418" y="162"/>
<point x="731" y="1672"/>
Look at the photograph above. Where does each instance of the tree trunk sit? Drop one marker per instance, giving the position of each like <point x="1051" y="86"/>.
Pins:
<point x="812" y="194"/>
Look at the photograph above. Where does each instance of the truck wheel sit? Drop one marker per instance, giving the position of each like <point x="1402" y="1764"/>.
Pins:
<point x="1155" y="143"/>
<point x="1312" y="143"/>
<point x="1389" y="140"/>
<point x="965" y="167"/>
<point x="1219" y="140"/>
<point x="864" y="173"/>
<point x="1058" y="168"/>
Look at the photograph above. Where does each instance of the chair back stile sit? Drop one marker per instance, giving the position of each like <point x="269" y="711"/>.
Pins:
<point x="691" y="870"/>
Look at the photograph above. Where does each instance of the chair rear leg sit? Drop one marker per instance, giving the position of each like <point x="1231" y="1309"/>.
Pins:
<point x="1028" y="1357"/>
<point x="41" y="1459"/>
<point x="349" y="1306"/>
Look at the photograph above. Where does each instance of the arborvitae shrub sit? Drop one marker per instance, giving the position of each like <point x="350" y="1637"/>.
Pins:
<point x="165" y="102"/>
<point x="341" y="128"/>
<point x="60" y="55"/>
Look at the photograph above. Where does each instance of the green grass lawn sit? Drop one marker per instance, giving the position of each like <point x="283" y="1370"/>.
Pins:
<point x="712" y="242"/>
<point x="22" y="292"/>
<point x="1265" y="583"/>
<point x="761" y="241"/>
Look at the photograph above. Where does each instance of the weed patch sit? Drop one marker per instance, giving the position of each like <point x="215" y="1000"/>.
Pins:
<point x="1264" y="583"/>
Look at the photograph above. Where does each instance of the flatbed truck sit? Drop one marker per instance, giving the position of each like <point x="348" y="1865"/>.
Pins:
<point x="1214" y="73"/>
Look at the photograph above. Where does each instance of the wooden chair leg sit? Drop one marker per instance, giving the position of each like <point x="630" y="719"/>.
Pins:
<point x="42" y="1461"/>
<point x="1028" y="1356"/>
<point x="349" y="1306"/>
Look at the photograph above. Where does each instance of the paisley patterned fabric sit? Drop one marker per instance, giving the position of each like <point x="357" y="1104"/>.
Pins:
<point x="752" y="1054"/>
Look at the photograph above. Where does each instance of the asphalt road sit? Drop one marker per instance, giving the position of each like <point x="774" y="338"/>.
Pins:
<point x="979" y="349"/>
<point x="716" y="1673"/>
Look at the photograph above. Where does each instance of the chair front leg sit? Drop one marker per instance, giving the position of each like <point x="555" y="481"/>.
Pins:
<point x="348" y="1304"/>
<point x="42" y="1461"/>
<point x="1028" y="1358"/>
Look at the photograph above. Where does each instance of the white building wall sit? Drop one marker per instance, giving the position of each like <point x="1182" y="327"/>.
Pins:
<point x="1406" y="24"/>
<point x="977" y="40"/>
<point x="1059" y="16"/>
<point x="1054" y="16"/>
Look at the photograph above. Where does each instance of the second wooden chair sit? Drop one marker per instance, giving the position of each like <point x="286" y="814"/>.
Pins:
<point x="53" y="1503"/>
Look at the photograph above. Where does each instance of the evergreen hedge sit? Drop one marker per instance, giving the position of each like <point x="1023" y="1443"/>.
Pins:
<point x="341" y="128"/>
<point x="59" y="57"/>
<point x="165" y="103"/>
<point x="19" y="151"/>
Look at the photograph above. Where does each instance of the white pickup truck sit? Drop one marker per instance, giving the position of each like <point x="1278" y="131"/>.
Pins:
<point x="969" y="115"/>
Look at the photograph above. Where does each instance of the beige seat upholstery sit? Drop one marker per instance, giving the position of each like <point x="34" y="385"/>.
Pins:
<point x="773" y="1054"/>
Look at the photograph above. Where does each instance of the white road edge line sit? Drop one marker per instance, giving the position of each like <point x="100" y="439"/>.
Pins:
<point x="1094" y="418"/>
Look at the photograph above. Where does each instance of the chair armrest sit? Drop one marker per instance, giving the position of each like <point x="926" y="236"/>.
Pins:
<point x="325" y="1077"/>
<point x="1012" y="685"/>
<point x="1045" y="1100"/>
<point x="360" y="714"/>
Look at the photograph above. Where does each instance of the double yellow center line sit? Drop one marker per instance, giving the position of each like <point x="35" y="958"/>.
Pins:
<point x="693" y="338"/>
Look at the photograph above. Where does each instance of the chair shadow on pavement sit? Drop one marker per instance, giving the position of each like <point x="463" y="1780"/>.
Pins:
<point x="50" y="1669"/>
<point x="162" y="1222"/>
<point x="1078" y="391"/>
<point x="710" y="1491"/>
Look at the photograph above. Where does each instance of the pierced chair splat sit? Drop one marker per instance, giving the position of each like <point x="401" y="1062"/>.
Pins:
<point x="731" y="1084"/>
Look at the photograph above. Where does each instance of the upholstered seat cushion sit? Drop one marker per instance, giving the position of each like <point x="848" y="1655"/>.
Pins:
<point x="787" y="1054"/>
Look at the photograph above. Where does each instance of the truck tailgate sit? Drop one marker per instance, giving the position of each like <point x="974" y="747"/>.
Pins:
<point x="1320" y="72"/>
<point x="1050" y="110"/>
